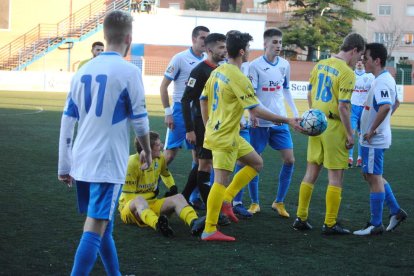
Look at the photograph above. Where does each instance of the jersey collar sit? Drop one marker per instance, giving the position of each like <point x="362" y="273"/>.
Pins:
<point x="273" y="64"/>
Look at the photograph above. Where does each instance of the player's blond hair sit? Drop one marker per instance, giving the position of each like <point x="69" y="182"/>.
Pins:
<point x="117" y="25"/>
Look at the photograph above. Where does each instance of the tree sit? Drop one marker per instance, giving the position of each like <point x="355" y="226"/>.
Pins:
<point x="320" y="24"/>
<point x="202" y="5"/>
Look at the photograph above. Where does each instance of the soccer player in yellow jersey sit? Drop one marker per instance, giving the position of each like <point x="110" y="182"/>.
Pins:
<point x="225" y="96"/>
<point x="138" y="203"/>
<point x="331" y="84"/>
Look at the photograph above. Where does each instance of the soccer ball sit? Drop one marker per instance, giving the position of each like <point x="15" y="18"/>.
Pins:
<point x="314" y="122"/>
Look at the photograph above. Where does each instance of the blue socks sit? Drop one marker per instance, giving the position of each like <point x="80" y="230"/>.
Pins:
<point x="285" y="177"/>
<point x="86" y="253"/>
<point x="108" y="252"/>
<point x="390" y="200"/>
<point x="238" y="199"/>
<point x="254" y="189"/>
<point x="377" y="204"/>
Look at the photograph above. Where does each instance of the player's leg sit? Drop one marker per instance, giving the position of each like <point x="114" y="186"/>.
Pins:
<point x="223" y="164"/>
<point x="238" y="206"/>
<point x="281" y="140"/>
<point x="372" y="170"/>
<point x="253" y="164"/>
<point x="98" y="200"/>
<point x="354" y="121"/>
<point x="397" y="214"/>
<point x="358" y="130"/>
<point x="315" y="159"/>
<point x="336" y="161"/>
<point x="305" y="195"/>
<point x="203" y="174"/>
<point x="259" y="138"/>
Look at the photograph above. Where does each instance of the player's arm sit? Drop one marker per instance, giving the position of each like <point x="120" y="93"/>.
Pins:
<point x="287" y="94"/>
<point x="344" y="114"/>
<point x="289" y="99"/>
<point x="65" y="148"/>
<point x="204" y="109"/>
<point x="346" y="86"/>
<point x="396" y="105"/>
<point x="379" y="118"/>
<point x="167" y="179"/>
<point x="189" y="96"/>
<point x="262" y="113"/>
<point x="166" y="102"/>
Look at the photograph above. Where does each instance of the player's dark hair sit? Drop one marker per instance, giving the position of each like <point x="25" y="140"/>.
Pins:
<point x="351" y="41"/>
<point x="198" y="29"/>
<point x="377" y="50"/>
<point x="272" y="32"/>
<point x="213" y="38"/>
<point x="97" y="43"/>
<point x="117" y="25"/>
<point x="154" y="136"/>
<point x="237" y="41"/>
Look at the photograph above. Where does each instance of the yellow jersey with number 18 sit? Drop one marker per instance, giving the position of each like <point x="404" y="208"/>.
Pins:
<point x="331" y="81"/>
<point x="229" y="92"/>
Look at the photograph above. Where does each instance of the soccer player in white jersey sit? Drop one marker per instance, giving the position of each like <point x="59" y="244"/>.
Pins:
<point x="359" y="96"/>
<point x="375" y="138"/>
<point x="178" y="70"/>
<point x="270" y="76"/>
<point x="105" y="98"/>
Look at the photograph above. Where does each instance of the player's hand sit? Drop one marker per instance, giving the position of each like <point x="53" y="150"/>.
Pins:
<point x="66" y="178"/>
<point x="191" y="137"/>
<point x="367" y="136"/>
<point x="349" y="142"/>
<point x="169" y="122"/>
<point x="254" y="121"/>
<point x="295" y="124"/>
<point x="145" y="160"/>
<point x="173" y="191"/>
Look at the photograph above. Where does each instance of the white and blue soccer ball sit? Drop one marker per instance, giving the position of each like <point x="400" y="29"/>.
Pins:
<point x="314" y="122"/>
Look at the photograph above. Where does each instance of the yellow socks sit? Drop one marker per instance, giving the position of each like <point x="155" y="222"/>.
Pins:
<point x="333" y="201"/>
<point x="149" y="218"/>
<point x="305" y="194"/>
<point x="240" y="179"/>
<point x="214" y="202"/>
<point x="188" y="214"/>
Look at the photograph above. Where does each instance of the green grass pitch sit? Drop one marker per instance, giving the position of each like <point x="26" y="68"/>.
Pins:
<point x="40" y="226"/>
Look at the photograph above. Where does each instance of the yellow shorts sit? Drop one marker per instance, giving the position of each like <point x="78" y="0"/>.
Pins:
<point x="129" y="218"/>
<point x="329" y="148"/>
<point x="226" y="159"/>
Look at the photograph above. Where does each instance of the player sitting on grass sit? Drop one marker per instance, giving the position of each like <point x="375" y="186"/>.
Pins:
<point x="139" y="204"/>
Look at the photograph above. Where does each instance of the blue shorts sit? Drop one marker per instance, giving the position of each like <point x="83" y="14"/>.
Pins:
<point x="175" y="138"/>
<point x="98" y="200"/>
<point x="245" y="133"/>
<point x="356" y="112"/>
<point x="372" y="160"/>
<point x="278" y="137"/>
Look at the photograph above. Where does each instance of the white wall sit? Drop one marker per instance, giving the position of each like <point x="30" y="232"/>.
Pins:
<point x="171" y="29"/>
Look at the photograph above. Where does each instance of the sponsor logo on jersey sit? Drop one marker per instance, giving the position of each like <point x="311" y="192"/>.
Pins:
<point x="191" y="62"/>
<point x="170" y="69"/>
<point x="191" y="82"/>
<point x="385" y="94"/>
<point x="267" y="68"/>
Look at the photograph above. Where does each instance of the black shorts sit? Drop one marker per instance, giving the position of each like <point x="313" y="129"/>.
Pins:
<point x="199" y="130"/>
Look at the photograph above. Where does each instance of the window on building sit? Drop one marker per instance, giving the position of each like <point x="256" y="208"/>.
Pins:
<point x="407" y="39"/>
<point x="4" y="14"/>
<point x="384" y="9"/>
<point x="383" y="38"/>
<point x="410" y="10"/>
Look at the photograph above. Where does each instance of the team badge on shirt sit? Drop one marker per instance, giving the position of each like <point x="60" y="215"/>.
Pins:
<point x="170" y="69"/>
<point x="191" y="82"/>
